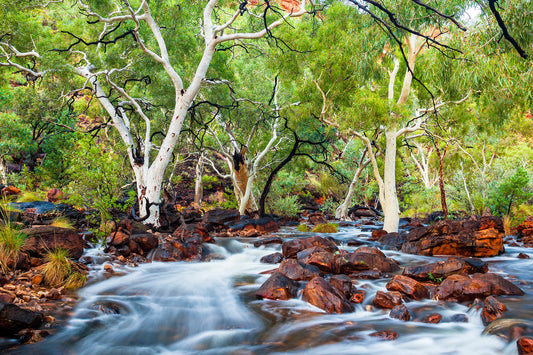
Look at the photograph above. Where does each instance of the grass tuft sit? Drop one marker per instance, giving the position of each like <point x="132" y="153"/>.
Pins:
<point x="57" y="268"/>
<point x="326" y="228"/>
<point x="303" y="228"/>
<point x="12" y="241"/>
<point x="62" y="222"/>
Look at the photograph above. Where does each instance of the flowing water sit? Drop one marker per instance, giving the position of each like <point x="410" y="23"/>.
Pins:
<point x="210" y="308"/>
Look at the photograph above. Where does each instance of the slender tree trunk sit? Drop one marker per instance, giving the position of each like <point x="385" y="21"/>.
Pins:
<point x="3" y="171"/>
<point x="198" y="184"/>
<point x="441" y="180"/>
<point x="391" y="209"/>
<point x="342" y="211"/>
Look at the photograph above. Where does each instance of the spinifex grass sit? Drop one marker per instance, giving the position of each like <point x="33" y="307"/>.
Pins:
<point x="11" y="239"/>
<point x="60" y="270"/>
<point x="62" y="222"/>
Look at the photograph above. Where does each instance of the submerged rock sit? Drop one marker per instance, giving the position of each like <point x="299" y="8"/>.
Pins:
<point x="492" y="310"/>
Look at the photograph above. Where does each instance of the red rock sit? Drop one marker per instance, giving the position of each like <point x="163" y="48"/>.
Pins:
<point x="42" y="239"/>
<point x="459" y="318"/>
<point x="524" y="345"/>
<point x="268" y="241"/>
<point x="358" y="296"/>
<point x="354" y="262"/>
<point x="108" y="268"/>
<point x="6" y="298"/>
<point x="119" y="238"/>
<point x="342" y="283"/>
<point x="55" y="195"/>
<point x="377" y="233"/>
<point x="369" y="250"/>
<point x="387" y="300"/>
<point x="499" y="285"/>
<point x="523" y="256"/>
<point x="367" y="275"/>
<point x="37" y="279"/>
<point x="463" y="288"/>
<point x="10" y="190"/>
<point x="525" y="229"/>
<point x="320" y="258"/>
<point x="492" y="310"/>
<point x="53" y="294"/>
<point x="408" y="286"/>
<point x="273" y="258"/>
<point x="290" y="5"/>
<point x="478" y="237"/>
<point x="146" y="242"/>
<point x="292" y="247"/>
<point x="220" y="217"/>
<point x="298" y="272"/>
<point x="385" y="334"/>
<point x="432" y="318"/>
<point x="323" y="295"/>
<point x="400" y="312"/>
<point x="277" y="287"/>
<point x="317" y="218"/>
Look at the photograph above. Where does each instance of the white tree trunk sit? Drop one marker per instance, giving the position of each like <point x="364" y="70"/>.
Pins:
<point x="198" y="183"/>
<point x="391" y="209"/>
<point x="341" y="212"/>
<point x="3" y="171"/>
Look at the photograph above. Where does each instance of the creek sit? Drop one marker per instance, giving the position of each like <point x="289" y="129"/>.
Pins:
<point x="210" y="308"/>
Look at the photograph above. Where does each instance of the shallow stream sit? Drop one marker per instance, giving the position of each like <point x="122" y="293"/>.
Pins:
<point x="210" y="308"/>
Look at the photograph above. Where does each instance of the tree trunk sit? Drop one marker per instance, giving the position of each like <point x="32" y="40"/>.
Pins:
<point x="342" y="211"/>
<point x="391" y="209"/>
<point x="3" y="171"/>
<point x="198" y="184"/>
<point x="441" y="180"/>
<point x="244" y="183"/>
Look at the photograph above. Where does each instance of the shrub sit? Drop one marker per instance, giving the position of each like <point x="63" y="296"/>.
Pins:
<point x="326" y="228"/>
<point x="303" y="228"/>
<point x="286" y="206"/>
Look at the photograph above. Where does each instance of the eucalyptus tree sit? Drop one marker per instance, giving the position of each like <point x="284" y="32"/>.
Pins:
<point x="126" y="45"/>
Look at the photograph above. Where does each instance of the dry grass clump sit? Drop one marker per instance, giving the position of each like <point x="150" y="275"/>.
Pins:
<point x="60" y="270"/>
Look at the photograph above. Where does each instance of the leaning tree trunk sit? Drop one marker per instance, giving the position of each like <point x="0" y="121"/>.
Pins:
<point x="243" y="181"/>
<point x="391" y="209"/>
<point x="342" y="211"/>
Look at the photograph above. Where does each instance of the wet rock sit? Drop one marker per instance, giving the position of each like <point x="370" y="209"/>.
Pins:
<point x="42" y="239"/>
<point x="459" y="318"/>
<point x="524" y="231"/>
<point x="523" y="256"/>
<point x="492" y="310"/>
<point x="220" y="217"/>
<point x="277" y="287"/>
<point x="408" y="286"/>
<point x="274" y="258"/>
<point x="13" y="319"/>
<point x="318" y="257"/>
<point x="53" y="294"/>
<point x="360" y="261"/>
<point x="432" y="318"/>
<point x="6" y="298"/>
<point x="385" y="335"/>
<point x="108" y="268"/>
<point x="354" y="243"/>
<point x="462" y="288"/>
<point x="358" y="296"/>
<point x="342" y="283"/>
<point x="377" y="233"/>
<point x="369" y="250"/>
<point x="37" y="279"/>
<point x="259" y="226"/>
<point x="291" y="248"/>
<point x="268" y="241"/>
<point x="323" y="295"/>
<point x="145" y="241"/>
<point x="499" y="285"/>
<point x="393" y="240"/>
<point x="524" y="345"/>
<point x="317" y="218"/>
<point x="400" y="312"/>
<point x="367" y="275"/>
<point x="445" y="268"/>
<point x="294" y="270"/>
<point x="477" y="236"/>
<point x="387" y="300"/>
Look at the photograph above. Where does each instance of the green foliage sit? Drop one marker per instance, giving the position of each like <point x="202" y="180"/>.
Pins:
<point x="60" y="270"/>
<point x="303" y="228"/>
<point x="208" y="181"/>
<point x="98" y="174"/>
<point x="12" y="241"/>
<point x="435" y="279"/>
<point x="326" y="228"/>
<point x="329" y="206"/>
<point x="29" y="196"/>
<point x="62" y="222"/>
<point x="287" y="206"/>
<point x="512" y="191"/>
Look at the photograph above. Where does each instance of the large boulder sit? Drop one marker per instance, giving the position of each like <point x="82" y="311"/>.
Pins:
<point x="408" y="287"/>
<point x="477" y="236"/>
<point x="361" y="261"/>
<point x="387" y="300"/>
<point x="13" y="319"/>
<point x="294" y="270"/>
<point x="442" y="269"/>
<point x="524" y="231"/>
<point x="464" y="288"/>
<point x="220" y="217"/>
<point x="323" y="259"/>
<point x="492" y="310"/>
<point x="323" y="295"/>
<point x="42" y="239"/>
<point x="292" y="247"/>
<point x="277" y="287"/>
